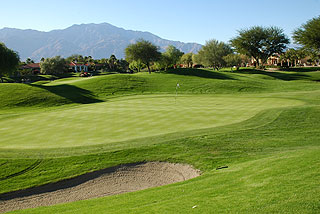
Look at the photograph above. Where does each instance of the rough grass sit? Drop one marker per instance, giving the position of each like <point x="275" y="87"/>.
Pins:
<point x="271" y="149"/>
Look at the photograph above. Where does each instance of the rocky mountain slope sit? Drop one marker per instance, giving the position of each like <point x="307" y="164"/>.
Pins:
<point x="96" y="40"/>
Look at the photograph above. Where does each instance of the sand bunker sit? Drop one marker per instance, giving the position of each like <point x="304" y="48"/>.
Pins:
<point x="110" y="181"/>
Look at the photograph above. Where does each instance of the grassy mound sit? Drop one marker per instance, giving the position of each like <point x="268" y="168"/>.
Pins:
<point x="262" y="125"/>
<point x="77" y="90"/>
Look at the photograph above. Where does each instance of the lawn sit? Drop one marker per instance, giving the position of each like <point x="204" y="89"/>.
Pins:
<point x="263" y="126"/>
<point x="130" y="118"/>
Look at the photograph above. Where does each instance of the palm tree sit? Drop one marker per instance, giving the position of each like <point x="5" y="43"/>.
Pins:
<point x="112" y="62"/>
<point x="29" y="61"/>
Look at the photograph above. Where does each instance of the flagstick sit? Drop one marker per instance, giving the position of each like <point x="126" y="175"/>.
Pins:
<point x="175" y="99"/>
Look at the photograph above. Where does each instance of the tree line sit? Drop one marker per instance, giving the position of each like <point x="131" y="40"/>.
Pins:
<point x="256" y="42"/>
<point x="59" y="65"/>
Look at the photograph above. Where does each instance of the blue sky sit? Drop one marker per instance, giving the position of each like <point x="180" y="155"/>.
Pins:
<point x="182" y="20"/>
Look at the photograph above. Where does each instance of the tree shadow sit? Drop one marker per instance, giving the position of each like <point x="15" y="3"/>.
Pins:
<point x="71" y="93"/>
<point x="300" y="69"/>
<point x="198" y="73"/>
<point x="35" y="78"/>
<point x="276" y="75"/>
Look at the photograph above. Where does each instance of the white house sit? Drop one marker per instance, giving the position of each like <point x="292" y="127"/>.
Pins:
<point x="77" y="67"/>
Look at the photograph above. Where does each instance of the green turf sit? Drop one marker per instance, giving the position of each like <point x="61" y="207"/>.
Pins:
<point x="285" y="182"/>
<point x="129" y="118"/>
<point x="263" y="125"/>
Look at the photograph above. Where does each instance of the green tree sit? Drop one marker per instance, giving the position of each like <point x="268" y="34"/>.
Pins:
<point x="212" y="53"/>
<point x="123" y="65"/>
<point x="314" y="56"/>
<point x="54" y="65"/>
<point x="196" y="59"/>
<point x="260" y="43"/>
<point x="293" y="55"/>
<point x="186" y="59"/>
<point x="9" y="61"/>
<point x="136" y="66"/>
<point x="169" y="58"/>
<point x="75" y="58"/>
<point x="144" y="51"/>
<point x="172" y="56"/>
<point x="308" y="35"/>
<point x="90" y="59"/>
<point x="104" y="62"/>
<point x="163" y="63"/>
<point x="29" y="61"/>
<point x="233" y="60"/>
<point x="113" y="62"/>
<point x="87" y="60"/>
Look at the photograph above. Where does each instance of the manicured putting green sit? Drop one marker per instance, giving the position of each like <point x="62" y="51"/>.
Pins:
<point x="126" y="118"/>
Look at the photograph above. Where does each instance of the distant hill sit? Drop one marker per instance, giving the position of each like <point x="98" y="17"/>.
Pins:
<point x="96" y="40"/>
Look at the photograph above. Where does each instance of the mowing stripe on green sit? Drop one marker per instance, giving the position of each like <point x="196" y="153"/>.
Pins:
<point x="129" y="118"/>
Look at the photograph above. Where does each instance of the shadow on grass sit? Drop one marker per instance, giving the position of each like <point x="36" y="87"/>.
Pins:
<point x="300" y="69"/>
<point x="35" y="78"/>
<point x="276" y="75"/>
<point x="199" y="73"/>
<point x="71" y="93"/>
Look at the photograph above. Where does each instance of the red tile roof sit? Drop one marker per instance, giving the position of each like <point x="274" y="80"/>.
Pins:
<point x="78" y="64"/>
<point x="32" y="65"/>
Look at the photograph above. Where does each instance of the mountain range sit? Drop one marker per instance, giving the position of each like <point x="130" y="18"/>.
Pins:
<point x="96" y="40"/>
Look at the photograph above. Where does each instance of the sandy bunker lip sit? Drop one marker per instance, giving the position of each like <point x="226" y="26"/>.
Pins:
<point x="110" y="181"/>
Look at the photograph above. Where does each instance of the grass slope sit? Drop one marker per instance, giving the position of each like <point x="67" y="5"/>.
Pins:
<point x="258" y="186"/>
<point x="192" y="81"/>
<point x="272" y="152"/>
